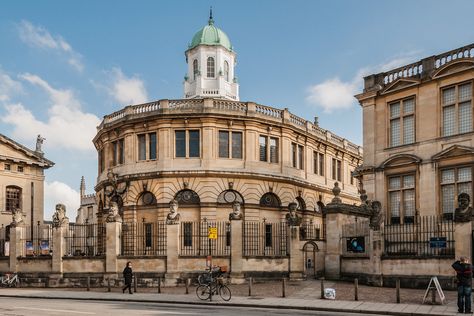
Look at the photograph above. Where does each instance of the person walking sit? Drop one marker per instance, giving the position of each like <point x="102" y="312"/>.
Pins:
<point x="464" y="277"/>
<point x="127" y="275"/>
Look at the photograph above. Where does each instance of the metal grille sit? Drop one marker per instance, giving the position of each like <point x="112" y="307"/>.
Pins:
<point x="428" y="236"/>
<point x="194" y="239"/>
<point x="85" y="240"/>
<point x="264" y="239"/>
<point x="3" y="238"/>
<point x="36" y="240"/>
<point x="311" y="232"/>
<point x="143" y="239"/>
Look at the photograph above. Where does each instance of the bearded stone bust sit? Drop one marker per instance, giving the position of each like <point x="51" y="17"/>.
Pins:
<point x="59" y="216"/>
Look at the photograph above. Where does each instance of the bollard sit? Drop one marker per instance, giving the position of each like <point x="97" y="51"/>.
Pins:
<point x="250" y="286"/>
<point x="356" y="289"/>
<point x="108" y="285"/>
<point x="188" y="281"/>
<point x="283" y="287"/>
<point x="322" y="287"/>
<point x="88" y="283"/>
<point x="398" y="289"/>
<point x="159" y="285"/>
<point x="135" y="283"/>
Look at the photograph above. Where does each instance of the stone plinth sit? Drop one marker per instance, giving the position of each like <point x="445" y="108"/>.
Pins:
<point x="59" y="249"/>
<point x="462" y="237"/>
<point x="172" y="254"/>
<point x="236" y="267"/>
<point x="296" y="264"/>
<point x="113" y="246"/>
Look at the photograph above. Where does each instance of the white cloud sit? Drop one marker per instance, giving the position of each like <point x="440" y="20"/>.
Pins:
<point x="127" y="90"/>
<point x="8" y="86"/>
<point x="59" y="192"/>
<point x="37" y="36"/>
<point x="67" y="125"/>
<point x="334" y="94"/>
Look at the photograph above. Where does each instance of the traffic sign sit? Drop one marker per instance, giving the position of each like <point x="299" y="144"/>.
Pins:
<point x="212" y="232"/>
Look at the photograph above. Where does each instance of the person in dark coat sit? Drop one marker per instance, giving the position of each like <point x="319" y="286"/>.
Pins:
<point x="127" y="275"/>
<point x="464" y="277"/>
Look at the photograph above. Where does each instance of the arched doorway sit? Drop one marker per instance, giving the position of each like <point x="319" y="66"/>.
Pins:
<point x="309" y="259"/>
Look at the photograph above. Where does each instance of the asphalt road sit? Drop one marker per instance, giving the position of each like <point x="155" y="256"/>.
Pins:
<point x="52" y="307"/>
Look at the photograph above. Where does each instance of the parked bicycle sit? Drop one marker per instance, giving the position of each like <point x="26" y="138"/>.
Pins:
<point x="212" y="283"/>
<point x="10" y="280"/>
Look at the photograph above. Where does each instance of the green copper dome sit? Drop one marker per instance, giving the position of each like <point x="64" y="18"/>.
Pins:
<point x="210" y="35"/>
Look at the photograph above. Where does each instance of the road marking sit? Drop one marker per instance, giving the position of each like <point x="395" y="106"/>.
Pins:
<point x="55" y="310"/>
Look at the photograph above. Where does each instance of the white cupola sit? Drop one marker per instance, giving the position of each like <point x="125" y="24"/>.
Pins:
<point x="211" y="61"/>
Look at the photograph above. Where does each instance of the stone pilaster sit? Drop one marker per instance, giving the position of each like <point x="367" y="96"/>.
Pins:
<point x="236" y="266"/>
<point x="112" y="251"/>
<point x="296" y="253"/>
<point x="463" y="239"/>
<point x="332" y="260"/>
<point x="59" y="249"/>
<point x="172" y="253"/>
<point x="376" y="243"/>
<point x="16" y="247"/>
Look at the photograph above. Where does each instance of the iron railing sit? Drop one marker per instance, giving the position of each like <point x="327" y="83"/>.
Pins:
<point x="3" y="239"/>
<point x="264" y="239"/>
<point x="36" y="240"/>
<point x="85" y="240"/>
<point x="143" y="239"/>
<point x="195" y="241"/>
<point x="311" y="232"/>
<point x="427" y="236"/>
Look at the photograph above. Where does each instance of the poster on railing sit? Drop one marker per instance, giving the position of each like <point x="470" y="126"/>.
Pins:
<point x="44" y="247"/>
<point x="29" y="248"/>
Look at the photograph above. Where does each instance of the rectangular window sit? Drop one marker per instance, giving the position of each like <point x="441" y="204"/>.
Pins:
<point x="294" y="155"/>
<point x="7" y="166"/>
<point x="263" y="148"/>
<point x="114" y="153"/>
<point x="147" y="234"/>
<point x="223" y="144"/>
<point x="180" y="141"/>
<point x="274" y="150"/>
<point x="194" y="144"/>
<point x="402" y="122"/>
<point x="188" y="234"/>
<point x="152" y="145"/>
<point x="300" y="157"/>
<point x="142" y="147"/>
<point x="315" y="162"/>
<point x="13" y="198"/>
<point x="19" y="168"/>
<point x="352" y="177"/>
<point x="268" y="235"/>
<point x="237" y="145"/>
<point x="121" y="151"/>
<point x="118" y="152"/>
<point x="321" y="164"/>
<point x="336" y="169"/>
<point x="101" y="161"/>
<point x="402" y="201"/>
<point x="454" y="181"/>
<point x="457" y="109"/>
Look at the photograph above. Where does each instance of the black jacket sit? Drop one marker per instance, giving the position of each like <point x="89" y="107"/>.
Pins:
<point x="463" y="273"/>
<point x="127" y="275"/>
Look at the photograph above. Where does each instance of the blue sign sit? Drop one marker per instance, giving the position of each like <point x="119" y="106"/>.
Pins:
<point x="438" y="242"/>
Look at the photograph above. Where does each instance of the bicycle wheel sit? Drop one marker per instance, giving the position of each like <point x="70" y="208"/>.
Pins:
<point x="203" y="292"/>
<point x="225" y="293"/>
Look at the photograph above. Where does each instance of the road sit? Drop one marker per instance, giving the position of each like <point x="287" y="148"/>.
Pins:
<point x="52" y="307"/>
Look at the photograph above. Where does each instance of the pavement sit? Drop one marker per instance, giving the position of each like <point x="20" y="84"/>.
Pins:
<point x="303" y="296"/>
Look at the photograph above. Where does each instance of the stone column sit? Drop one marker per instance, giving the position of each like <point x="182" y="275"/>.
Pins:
<point x="172" y="253"/>
<point x="236" y="266"/>
<point x="376" y="243"/>
<point x="16" y="246"/>
<point x="463" y="239"/>
<point x="295" y="264"/>
<point x="59" y="250"/>
<point x="332" y="262"/>
<point x="112" y="243"/>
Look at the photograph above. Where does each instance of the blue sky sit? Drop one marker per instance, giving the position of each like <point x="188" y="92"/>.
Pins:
<point x="66" y="64"/>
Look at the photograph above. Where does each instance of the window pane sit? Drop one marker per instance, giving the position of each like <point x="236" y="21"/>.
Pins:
<point x="464" y="174"/>
<point x="194" y="144"/>
<point x="210" y="67"/>
<point x="121" y="151"/>
<point x="465" y="117"/>
<point x="13" y="199"/>
<point x="339" y="170"/>
<point x="223" y="144"/>
<point x="395" y="110"/>
<point x="409" y="202"/>
<point x="188" y="234"/>
<point x="300" y="157"/>
<point x="237" y="145"/>
<point x="294" y="154"/>
<point x="152" y="148"/>
<point x="465" y="188"/>
<point x="268" y="235"/>
<point x="447" y="176"/>
<point x="395" y="132"/>
<point x="114" y="153"/>
<point x="195" y="69"/>
<point x="180" y="139"/>
<point x="315" y="162"/>
<point x="263" y="148"/>
<point x="409" y="129"/>
<point x="447" y="198"/>
<point x="408" y="182"/>
<point x="408" y="106"/>
<point x="394" y="183"/>
<point x="395" y="204"/>
<point x="148" y="234"/>
<point x="321" y="164"/>
<point x="274" y="150"/>
<point x="226" y="71"/>
<point x="448" y="96"/>
<point x="448" y="121"/>
<point x="141" y="147"/>
<point x="465" y="92"/>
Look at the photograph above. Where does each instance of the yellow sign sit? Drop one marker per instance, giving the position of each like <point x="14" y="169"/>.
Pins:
<point x="212" y="231"/>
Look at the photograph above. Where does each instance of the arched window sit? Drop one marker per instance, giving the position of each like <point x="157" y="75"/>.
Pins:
<point x="187" y="197"/>
<point x="226" y="71"/>
<point x="13" y="201"/>
<point x="195" y="69"/>
<point x="301" y="203"/>
<point x="210" y="67"/>
<point x="270" y="200"/>
<point x="146" y="198"/>
<point x="229" y="197"/>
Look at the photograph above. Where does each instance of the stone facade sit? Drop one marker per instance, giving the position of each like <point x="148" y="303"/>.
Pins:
<point x="87" y="212"/>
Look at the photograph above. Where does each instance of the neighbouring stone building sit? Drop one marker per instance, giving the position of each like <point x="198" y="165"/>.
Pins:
<point x="87" y="211"/>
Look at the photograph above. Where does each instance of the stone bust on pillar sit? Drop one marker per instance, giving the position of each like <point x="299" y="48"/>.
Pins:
<point x="292" y="218"/>
<point x="113" y="215"/>
<point x="236" y="214"/>
<point x="17" y="217"/>
<point x="376" y="216"/>
<point x="59" y="216"/>
<point x="463" y="212"/>
<point x="173" y="216"/>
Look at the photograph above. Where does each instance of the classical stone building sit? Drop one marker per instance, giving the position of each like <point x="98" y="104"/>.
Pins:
<point x="21" y="181"/>
<point x="87" y="211"/>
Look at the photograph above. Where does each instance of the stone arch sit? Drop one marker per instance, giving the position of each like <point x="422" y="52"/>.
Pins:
<point x="301" y="203"/>
<point x="146" y="198"/>
<point x="270" y="199"/>
<point x="309" y="258"/>
<point x="187" y="197"/>
<point x="230" y="196"/>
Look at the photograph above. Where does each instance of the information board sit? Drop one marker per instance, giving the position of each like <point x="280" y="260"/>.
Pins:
<point x="212" y="233"/>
